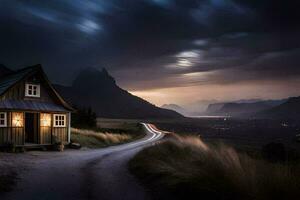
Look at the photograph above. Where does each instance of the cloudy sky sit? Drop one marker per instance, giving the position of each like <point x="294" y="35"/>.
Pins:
<point x="167" y="51"/>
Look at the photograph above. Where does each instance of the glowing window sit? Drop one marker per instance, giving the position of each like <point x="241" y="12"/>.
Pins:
<point x="59" y="120"/>
<point x="17" y="119"/>
<point x="32" y="90"/>
<point x="3" y="119"/>
<point x="45" y="119"/>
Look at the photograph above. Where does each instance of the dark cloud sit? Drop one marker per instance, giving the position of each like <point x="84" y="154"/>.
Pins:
<point x="154" y="43"/>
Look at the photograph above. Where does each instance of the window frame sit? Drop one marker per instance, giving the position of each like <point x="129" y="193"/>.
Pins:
<point x="64" y="120"/>
<point x="5" y="119"/>
<point x="27" y="89"/>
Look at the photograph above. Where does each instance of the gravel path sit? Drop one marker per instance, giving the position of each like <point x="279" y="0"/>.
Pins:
<point x="78" y="175"/>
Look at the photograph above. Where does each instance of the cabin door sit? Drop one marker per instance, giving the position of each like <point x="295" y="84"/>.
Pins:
<point x="31" y="128"/>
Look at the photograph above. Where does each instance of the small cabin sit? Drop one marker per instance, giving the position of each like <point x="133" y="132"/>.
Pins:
<point x="31" y="110"/>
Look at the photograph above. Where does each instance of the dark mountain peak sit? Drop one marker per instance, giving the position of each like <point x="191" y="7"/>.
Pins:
<point x="97" y="89"/>
<point x="91" y="70"/>
<point x="105" y="75"/>
<point x="92" y="78"/>
<point x="105" y="72"/>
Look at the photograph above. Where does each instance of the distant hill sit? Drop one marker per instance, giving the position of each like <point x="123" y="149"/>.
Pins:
<point x="238" y="109"/>
<point x="174" y="107"/>
<point x="217" y="107"/>
<point x="247" y="101"/>
<point x="198" y="107"/>
<point x="287" y="110"/>
<point x="214" y="108"/>
<point x="242" y="108"/>
<point x="4" y="70"/>
<point x="99" y="90"/>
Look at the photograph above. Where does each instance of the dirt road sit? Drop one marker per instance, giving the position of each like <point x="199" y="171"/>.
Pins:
<point x="90" y="174"/>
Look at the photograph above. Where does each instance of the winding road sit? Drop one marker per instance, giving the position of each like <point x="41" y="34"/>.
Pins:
<point x="91" y="174"/>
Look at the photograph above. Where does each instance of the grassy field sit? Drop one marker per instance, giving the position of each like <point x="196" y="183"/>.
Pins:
<point x="186" y="167"/>
<point x="108" y="132"/>
<point x="128" y="124"/>
<point x="94" y="139"/>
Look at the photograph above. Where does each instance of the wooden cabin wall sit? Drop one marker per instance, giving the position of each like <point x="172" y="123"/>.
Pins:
<point x="44" y="91"/>
<point x="16" y="135"/>
<point x="17" y="92"/>
<point x="10" y="134"/>
<point x="45" y="135"/>
<point x="61" y="133"/>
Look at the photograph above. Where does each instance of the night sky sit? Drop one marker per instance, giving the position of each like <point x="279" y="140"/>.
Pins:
<point x="167" y="51"/>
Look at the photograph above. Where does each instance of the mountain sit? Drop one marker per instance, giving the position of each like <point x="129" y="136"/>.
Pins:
<point x="174" y="107"/>
<point x="247" y="101"/>
<point x="214" y="108"/>
<point x="242" y="107"/>
<point x="287" y="110"/>
<point x="98" y="90"/>
<point x="198" y="107"/>
<point x="4" y="70"/>
<point x="239" y="109"/>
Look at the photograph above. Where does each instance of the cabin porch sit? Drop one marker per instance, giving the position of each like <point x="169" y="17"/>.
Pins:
<point x="35" y="129"/>
<point x="32" y="146"/>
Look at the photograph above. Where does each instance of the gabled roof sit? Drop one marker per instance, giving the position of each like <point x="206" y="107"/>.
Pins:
<point x="13" y="78"/>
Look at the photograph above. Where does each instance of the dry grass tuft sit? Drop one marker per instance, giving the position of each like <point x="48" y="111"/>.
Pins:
<point x="186" y="167"/>
<point x="93" y="139"/>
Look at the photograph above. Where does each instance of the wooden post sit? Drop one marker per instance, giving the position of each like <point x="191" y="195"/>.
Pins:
<point x="38" y="128"/>
<point x="69" y="127"/>
<point x="51" y="127"/>
<point x="24" y="128"/>
<point x="11" y="128"/>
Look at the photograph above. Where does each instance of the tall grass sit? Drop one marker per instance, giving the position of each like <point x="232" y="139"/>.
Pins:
<point x="93" y="139"/>
<point x="187" y="168"/>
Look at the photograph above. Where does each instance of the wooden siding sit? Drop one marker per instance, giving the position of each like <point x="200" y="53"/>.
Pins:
<point x="17" y="92"/>
<point x="60" y="134"/>
<point x="16" y="135"/>
<point x="10" y="134"/>
<point x="45" y="135"/>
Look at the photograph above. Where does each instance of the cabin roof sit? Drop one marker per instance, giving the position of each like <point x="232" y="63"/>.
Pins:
<point x="31" y="106"/>
<point x="13" y="78"/>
